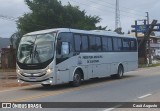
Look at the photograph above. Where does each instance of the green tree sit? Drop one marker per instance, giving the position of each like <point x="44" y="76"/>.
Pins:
<point x="47" y="14"/>
<point x="129" y="32"/>
<point x="153" y="33"/>
<point x="119" y="30"/>
<point x="15" y="39"/>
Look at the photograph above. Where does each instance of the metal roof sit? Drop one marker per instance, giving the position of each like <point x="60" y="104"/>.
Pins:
<point x="96" y="32"/>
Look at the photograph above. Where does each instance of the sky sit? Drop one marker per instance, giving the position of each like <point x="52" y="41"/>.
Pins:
<point x="130" y="10"/>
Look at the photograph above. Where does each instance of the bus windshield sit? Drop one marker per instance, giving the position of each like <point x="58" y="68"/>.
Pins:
<point x="36" y="49"/>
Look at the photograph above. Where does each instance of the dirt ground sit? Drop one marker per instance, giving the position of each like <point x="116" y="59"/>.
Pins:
<point x="8" y="80"/>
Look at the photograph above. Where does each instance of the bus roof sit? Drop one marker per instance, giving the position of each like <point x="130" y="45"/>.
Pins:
<point x="95" y="32"/>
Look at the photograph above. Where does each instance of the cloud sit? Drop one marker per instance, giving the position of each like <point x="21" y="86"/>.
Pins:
<point x="13" y="8"/>
<point x="10" y="8"/>
<point x="130" y="11"/>
<point x="7" y="28"/>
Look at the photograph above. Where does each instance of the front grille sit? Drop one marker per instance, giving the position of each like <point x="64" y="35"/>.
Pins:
<point x="33" y="74"/>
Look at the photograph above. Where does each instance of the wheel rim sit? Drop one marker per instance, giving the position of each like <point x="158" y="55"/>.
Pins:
<point x="120" y="72"/>
<point x="77" y="78"/>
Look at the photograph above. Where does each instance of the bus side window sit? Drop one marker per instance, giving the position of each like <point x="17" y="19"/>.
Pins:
<point x="64" y="46"/>
<point x="117" y="44"/>
<point x="77" y="42"/>
<point x="133" y="45"/>
<point x="84" y="47"/>
<point x="92" y="43"/>
<point x="98" y="44"/>
<point x="65" y="50"/>
<point x="126" y="44"/>
<point x="64" y="37"/>
<point x="104" y="44"/>
<point x="110" y="44"/>
<point x="107" y="44"/>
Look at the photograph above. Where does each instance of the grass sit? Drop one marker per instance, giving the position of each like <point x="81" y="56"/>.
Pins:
<point x="151" y="65"/>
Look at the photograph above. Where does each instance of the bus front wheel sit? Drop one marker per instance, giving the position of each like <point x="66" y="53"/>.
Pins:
<point x="76" y="79"/>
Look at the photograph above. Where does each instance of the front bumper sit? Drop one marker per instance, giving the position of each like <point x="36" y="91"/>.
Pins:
<point x="45" y="81"/>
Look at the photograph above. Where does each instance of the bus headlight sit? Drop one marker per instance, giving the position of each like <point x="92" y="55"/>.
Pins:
<point x="49" y="71"/>
<point x="18" y="71"/>
<point x="50" y="81"/>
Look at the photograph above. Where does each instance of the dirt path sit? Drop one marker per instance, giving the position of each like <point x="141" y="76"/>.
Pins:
<point x="9" y="80"/>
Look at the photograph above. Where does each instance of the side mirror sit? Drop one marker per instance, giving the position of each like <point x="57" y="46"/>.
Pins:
<point x="65" y="49"/>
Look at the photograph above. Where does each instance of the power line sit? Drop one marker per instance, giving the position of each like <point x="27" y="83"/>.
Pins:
<point x="4" y="17"/>
<point x="122" y="7"/>
<point x="140" y="12"/>
<point x="136" y="12"/>
<point x="103" y="9"/>
<point x="124" y="11"/>
<point x="98" y="9"/>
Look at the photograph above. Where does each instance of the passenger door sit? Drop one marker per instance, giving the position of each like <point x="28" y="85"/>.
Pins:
<point x="64" y="52"/>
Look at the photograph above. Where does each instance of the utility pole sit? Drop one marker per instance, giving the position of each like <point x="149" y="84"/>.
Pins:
<point x="149" y="46"/>
<point x="117" y="16"/>
<point x="147" y="17"/>
<point x="136" y="34"/>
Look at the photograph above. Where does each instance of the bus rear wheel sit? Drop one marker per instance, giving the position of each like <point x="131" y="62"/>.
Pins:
<point x="119" y="74"/>
<point x="76" y="79"/>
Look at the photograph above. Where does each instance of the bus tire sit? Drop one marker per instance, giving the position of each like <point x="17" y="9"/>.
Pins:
<point x="46" y="85"/>
<point x="119" y="74"/>
<point x="76" y="79"/>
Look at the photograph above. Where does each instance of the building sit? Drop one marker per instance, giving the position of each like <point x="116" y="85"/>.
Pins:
<point x="8" y="58"/>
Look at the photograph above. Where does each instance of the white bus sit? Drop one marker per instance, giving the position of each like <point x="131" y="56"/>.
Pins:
<point x="63" y="55"/>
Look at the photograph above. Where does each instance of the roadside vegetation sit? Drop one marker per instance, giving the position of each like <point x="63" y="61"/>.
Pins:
<point x="48" y="14"/>
<point x="147" y="66"/>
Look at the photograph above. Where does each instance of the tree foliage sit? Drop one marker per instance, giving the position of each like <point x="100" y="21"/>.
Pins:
<point x="47" y="14"/>
<point x="153" y="33"/>
<point x="15" y="39"/>
<point x="119" y="30"/>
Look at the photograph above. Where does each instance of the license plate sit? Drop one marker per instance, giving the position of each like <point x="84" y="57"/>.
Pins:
<point x="33" y="78"/>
